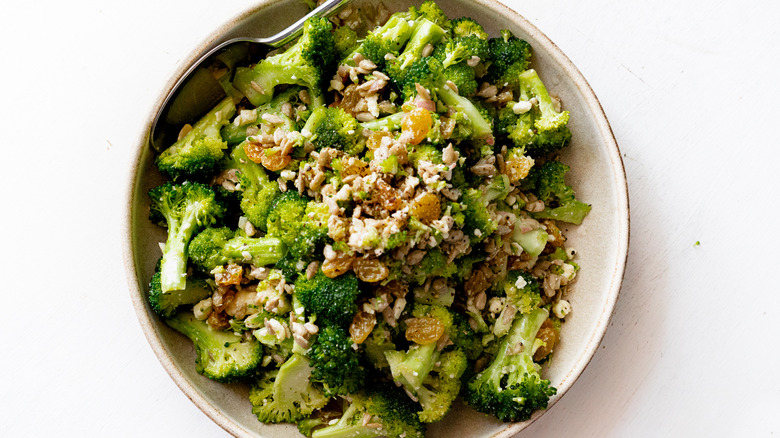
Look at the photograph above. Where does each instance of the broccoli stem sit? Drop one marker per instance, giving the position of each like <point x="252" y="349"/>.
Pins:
<point x="387" y="123"/>
<point x="523" y="332"/>
<point x="222" y="356"/>
<point x="425" y="32"/>
<point x="263" y="250"/>
<point x="572" y="212"/>
<point x="480" y="126"/>
<point x="532" y="242"/>
<point x="412" y="367"/>
<point x="345" y="431"/>
<point x="173" y="268"/>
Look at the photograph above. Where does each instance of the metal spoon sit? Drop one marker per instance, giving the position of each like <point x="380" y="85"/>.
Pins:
<point x="197" y="90"/>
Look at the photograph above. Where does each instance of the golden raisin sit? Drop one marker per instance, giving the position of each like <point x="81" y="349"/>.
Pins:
<point x="396" y="288"/>
<point x="477" y="283"/>
<point x="555" y="232"/>
<point x="362" y="325"/>
<point x="388" y="197"/>
<point x="517" y="167"/>
<point x="426" y="208"/>
<point x="375" y="140"/>
<point x="337" y="265"/>
<point x="274" y="161"/>
<point x="222" y="298"/>
<point x="351" y="99"/>
<point x="370" y="270"/>
<point x="231" y="274"/>
<point x="355" y="167"/>
<point x="549" y="335"/>
<point x="425" y="330"/>
<point x="270" y="157"/>
<point x="218" y="320"/>
<point x="254" y="151"/>
<point x="416" y="125"/>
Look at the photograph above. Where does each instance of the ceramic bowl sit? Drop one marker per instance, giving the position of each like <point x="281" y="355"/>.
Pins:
<point x="601" y="241"/>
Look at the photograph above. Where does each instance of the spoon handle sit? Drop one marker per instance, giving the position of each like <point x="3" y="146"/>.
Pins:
<point x="326" y="9"/>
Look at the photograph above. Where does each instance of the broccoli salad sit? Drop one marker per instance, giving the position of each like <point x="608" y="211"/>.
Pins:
<point x="369" y="225"/>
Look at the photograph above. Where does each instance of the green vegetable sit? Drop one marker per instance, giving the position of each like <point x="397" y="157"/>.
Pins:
<point x="390" y="413"/>
<point x="286" y="395"/>
<point x="221" y="355"/>
<point x="184" y="209"/>
<point x="548" y="184"/>
<point x="332" y="300"/>
<point x="198" y="153"/>
<point x="308" y="63"/>
<point x="335" y="364"/>
<point x="214" y="247"/>
<point x="165" y="304"/>
<point x="510" y="388"/>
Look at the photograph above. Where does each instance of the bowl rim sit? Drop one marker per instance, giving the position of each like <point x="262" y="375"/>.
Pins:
<point x="556" y="55"/>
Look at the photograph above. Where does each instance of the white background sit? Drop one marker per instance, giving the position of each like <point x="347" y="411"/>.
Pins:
<point x="690" y="88"/>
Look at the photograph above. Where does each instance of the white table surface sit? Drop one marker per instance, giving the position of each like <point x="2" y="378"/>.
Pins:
<point x="690" y="87"/>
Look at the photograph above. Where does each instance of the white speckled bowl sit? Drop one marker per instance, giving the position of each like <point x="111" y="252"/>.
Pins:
<point x="601" y="241"/>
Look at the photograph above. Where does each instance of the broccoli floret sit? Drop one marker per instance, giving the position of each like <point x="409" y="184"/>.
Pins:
<point x="410" y="368"/>
<point x="434" y="264"/>
<point x="307" y="426"/>
<point x="165" y="304"/>
<point x="461" y="49"/>
<point x="511" y="388"/>
<point x="442" y="386"/>
<point x="472" y="120"/>
<point x="548" y="184"/>
<point x="550" y="130"/>
<point x="379" y="341"/>
<point x="424" y="152"/>
<point x="523" y="295"/>
<point x="476" y="216"/>
<point x="464" y="27"/>
<point x="258" y="192"/>
<point x="221" y="355"/>
<point x="335" y="128"/>
<point x="286" y="395"/>
<point x="387" y="123"/>
<point x="308" y="63"/>
<point x="391" y="414"/>
<point x="309" y="241"/>
<point x="345" y="40"/>
<point x="214" y="247"/>
<point x="464" y="337"/>
<point x="497" y="188"/>
<point x="389" y="38"/>
<point x="466" y="265"/>
<point x="335" y="364"/>
<point x="428" y="375"/>
<point x="443" y="296"/>
<point x="508" y="56"/>
<point x="184" y="208"/>
<point x="463" y="77"/>
<point x="332" y="300"/>
<point x="285" y="218"/>
<point x="432" y="12"/>
<point x="425" y="32"/>
<point x="198" y="153"/>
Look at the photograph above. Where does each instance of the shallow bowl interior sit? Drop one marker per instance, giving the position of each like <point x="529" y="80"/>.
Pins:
<point x="601" y="241"/>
